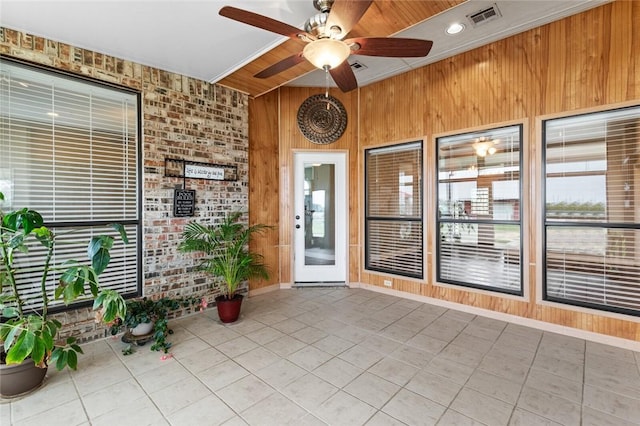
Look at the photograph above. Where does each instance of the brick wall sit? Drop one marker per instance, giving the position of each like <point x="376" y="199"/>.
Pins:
<point x="182" y="118"/>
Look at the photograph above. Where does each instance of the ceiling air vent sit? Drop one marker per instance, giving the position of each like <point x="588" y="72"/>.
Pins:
<point x="357" y="66"/>
<point x="484" y="16"/>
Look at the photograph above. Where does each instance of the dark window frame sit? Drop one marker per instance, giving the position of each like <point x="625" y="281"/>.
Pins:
<point x="369" y="218"/>
<point x="548" y="224"/>
<point x="439" y="221"/>
<point x="89" y="224"/>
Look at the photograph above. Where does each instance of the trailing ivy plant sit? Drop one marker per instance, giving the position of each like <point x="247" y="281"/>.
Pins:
<point x="154" y="311"/>
<point x="29" y="333"/>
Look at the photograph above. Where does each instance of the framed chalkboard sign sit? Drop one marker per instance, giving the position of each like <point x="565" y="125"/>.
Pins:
<point x="184" y="202"/>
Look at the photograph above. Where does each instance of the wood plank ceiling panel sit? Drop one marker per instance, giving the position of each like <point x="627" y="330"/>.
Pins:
<point x="384" y="18"/>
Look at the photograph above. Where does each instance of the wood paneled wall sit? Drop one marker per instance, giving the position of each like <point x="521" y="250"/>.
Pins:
<point x="589" y="60"/>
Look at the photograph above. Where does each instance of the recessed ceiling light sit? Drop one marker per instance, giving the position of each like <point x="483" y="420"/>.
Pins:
<point x="455" y="28"/>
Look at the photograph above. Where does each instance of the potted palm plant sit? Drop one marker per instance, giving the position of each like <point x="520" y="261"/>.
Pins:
<point x="226" y="256"/>
<point x="28" y="335"/>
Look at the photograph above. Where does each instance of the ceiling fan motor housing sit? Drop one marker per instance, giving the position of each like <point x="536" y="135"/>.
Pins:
<point x="323" y="6"/>
<point x="316" y="24"/>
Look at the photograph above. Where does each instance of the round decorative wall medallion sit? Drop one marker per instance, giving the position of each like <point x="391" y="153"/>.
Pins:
<point x="322" y="119"/>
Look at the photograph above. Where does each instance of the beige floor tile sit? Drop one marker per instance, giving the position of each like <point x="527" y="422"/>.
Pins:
<point x="309" y="358"/>
<point x="433" y="387"/>
<point x="93" y="379"/>
<point x="456" y="372"/>
<point x="236" y="347"/>
<point x="413" y="409"/>
<point x="264" y="335"/>
<point x="68" y="414"/>
<point x="210" y="411"/>
<point x="188" y="347"/>
<point x="179" y="395"/>
<point x="274" y="410"/>
<point x="344" y="409"/>
<point x="338" y="372"/>
<point x="137" y="412"/>
<point x="372" y="389"/>
<point x="289" y="326"/>
<point x="393" y="370"/>
<point x="482" y="408"/>
<point x="285" y="346"/>
<point x="109" y="397"/>
<point x="454" y="418"/>
<point x="42" y="400"/>
<point x="427" y="343"/>
<point x="281" y="373"/>
<point x="304" y="357"/>
<point x="221" y="375"/>
<point x="202" y="360"/>
<point x="549" y="406"/>
<point x="522" y="417"/>
<point x="361" y="356"/>
<point x="165" y="375"/>
<point x="495" y="386"/>
<point x="591" y="417"/>
<point x="333" y="345"/>
<point x="556" y="385"/>
<point x="309" y="334"/>
<point x="257" y="359"/>
<point x="617" y="405"/>
<point x="411" y="355"/>
<point x="244" y="393"/>
<point x="309" y="391"/>
<point x="383" y="419"/>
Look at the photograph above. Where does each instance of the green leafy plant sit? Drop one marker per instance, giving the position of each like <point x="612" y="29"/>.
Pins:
<point x="226" y="249"/>
<point x="154" y="311"/>
<point x="26" y="332"/>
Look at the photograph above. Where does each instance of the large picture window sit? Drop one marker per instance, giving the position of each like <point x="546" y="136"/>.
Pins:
<point x="592" y="210"/>
<point x="70" y="150"/>
<point x="393" y="212"/>
<point x="478" y="223"/>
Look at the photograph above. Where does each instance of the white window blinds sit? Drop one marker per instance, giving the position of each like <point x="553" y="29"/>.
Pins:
<point x="592" y="211"/>
<point x="393" y="222"/>
<point x="69" y="150"/>
<point x="478" y="220"/>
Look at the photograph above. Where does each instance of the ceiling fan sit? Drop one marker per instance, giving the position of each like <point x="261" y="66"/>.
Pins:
<point x="325" y="34"/>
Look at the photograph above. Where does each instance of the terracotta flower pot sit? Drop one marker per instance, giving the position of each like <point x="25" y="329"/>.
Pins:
<point x="229" y="309"/>
<point x="17" y="379"/>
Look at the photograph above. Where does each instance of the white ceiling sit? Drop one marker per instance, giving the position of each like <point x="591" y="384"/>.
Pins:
<point x="190" y="38"/>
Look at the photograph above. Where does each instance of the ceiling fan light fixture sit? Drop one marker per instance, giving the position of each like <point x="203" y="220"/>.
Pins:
<point x="326" y="52"/>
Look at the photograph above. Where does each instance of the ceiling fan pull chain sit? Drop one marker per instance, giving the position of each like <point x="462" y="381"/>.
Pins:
<point x="326" y="81"/>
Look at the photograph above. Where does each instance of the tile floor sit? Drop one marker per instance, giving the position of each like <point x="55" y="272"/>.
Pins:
<point x="343" y="357"/>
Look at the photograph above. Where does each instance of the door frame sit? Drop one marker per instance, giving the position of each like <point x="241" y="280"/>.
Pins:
<point x="344" y="156"/>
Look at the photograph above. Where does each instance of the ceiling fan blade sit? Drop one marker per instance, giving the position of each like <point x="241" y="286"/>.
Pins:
<point x="391" y="47"/>
<point x="262" y="21"/>
<point x="344" y="77"/>
<point x="346" y="13"/>
<point x="278" y="67"/>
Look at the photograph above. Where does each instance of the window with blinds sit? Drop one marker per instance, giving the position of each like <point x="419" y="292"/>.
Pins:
<point x="592" y="210"/>
<point x="478" y="223"/>
<point x="70" y="150"/>
<point x="393" y="212"/>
